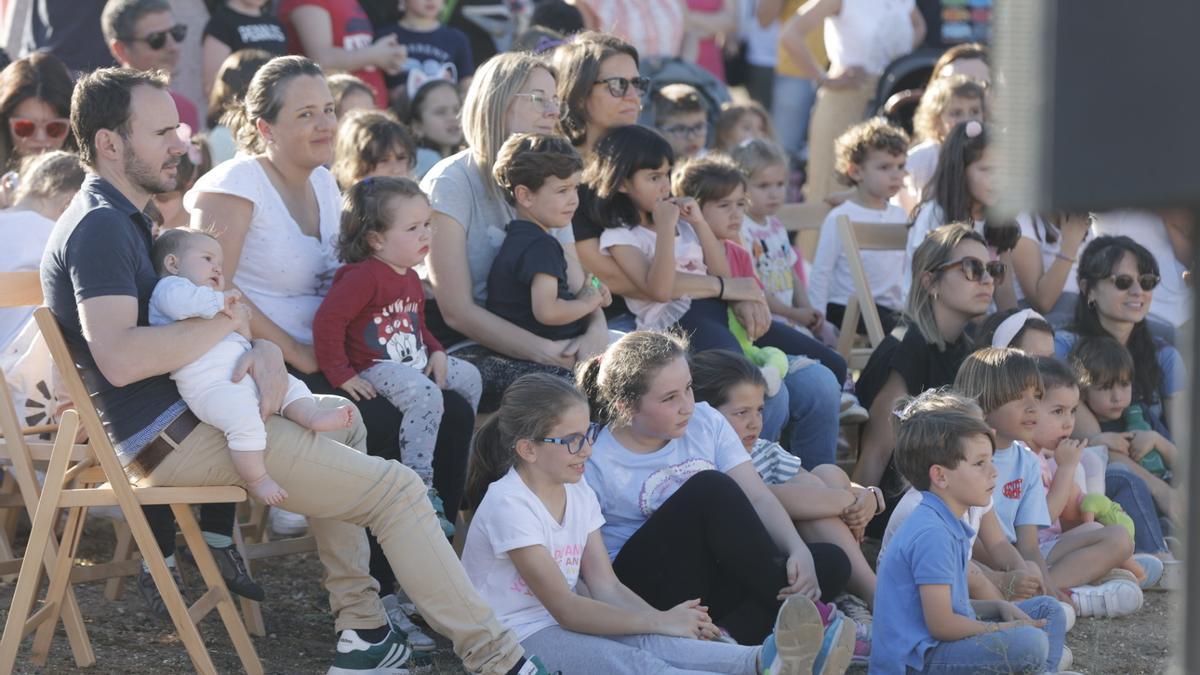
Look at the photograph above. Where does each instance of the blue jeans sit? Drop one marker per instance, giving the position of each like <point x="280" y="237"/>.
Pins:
<point x="1025" y="649"/>
<point x="791" y="105"/>
<point x="1126" y="488"/>
<point x="775" y="415"/>
<point x="814" y="403"/>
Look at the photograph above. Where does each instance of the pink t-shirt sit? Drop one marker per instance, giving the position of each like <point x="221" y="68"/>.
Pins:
<point x="740" y="263"/>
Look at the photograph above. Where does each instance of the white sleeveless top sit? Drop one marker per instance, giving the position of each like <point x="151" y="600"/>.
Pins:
<point x="283" y="271"/>
<point x="869" y="34"/>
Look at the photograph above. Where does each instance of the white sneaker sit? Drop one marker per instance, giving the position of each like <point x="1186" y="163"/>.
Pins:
<point x="287" y="523"/>
<point x="1118" y="597"/>
<point x="1069" y="611"/>
<point x="1172" y="576"/>
<point x="851" y="411"/>
<point x="1066" y="660"/>
<point x="417" y="639"/>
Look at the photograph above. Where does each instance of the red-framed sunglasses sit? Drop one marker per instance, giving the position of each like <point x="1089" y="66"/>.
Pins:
<point x="24" y="128"/>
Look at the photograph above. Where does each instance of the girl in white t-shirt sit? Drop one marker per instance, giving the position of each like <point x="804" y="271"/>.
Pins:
<point x="536" y="535"/>
<point x="962" y="189"/>
<point x="1045" y="263"/>
<point x="654" y="237"/>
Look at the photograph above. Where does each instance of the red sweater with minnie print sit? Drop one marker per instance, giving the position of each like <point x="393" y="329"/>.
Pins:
<point x="372" y="313"/>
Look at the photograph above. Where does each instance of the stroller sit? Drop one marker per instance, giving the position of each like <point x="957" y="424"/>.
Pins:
<point x="664" y="71"/>
<point x="901" y="85"/>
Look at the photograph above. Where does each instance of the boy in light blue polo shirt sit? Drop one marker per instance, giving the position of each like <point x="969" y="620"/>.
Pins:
<point x="924" y="619"/>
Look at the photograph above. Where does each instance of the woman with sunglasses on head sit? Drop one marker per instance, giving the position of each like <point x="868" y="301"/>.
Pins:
<point x="1117" y="279"/>
<point x="511" y="93"/>
<point x="953" y="280"/>
<point x="35" y="106"/>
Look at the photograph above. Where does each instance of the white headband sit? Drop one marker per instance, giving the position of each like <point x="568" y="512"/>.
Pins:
<point x="1008" y="328"/>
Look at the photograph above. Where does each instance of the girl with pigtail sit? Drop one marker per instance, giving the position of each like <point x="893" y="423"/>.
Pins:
<point x="536" y="535"/>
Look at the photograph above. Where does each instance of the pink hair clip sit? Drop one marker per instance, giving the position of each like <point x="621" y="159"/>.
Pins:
<point x="973" y="129"/>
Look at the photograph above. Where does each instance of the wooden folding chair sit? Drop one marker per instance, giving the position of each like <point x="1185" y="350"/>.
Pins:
<point x="804" y="222"/>
<point x="856" y="238"/>
<point x="117" y="491"/>
<point x="255" y="543"/>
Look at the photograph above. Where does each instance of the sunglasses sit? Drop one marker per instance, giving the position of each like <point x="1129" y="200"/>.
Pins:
<point x="158" y="39"/>
<point x="1124" y="282"/>
<point x="617" y="86"/>
<point x="574" y="442"/>
<point x="24" y="128"/>
<point x="973" y="268"/>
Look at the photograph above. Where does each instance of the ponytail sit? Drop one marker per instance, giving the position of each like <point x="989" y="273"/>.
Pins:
<point x="615" y="381"/>
<point x="587" y="379"/>
<point x="530" y="408"/>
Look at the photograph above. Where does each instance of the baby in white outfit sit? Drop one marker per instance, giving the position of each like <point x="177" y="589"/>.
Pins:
<point x="189" y="263"/>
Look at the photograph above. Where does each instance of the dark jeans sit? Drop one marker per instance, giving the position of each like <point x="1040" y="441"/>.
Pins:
<point x="707" y="541"/>
<point x="498" y="372"/>
<point x="450" y="454"/>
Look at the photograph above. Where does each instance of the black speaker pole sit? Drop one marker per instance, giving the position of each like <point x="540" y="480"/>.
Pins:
<point x="1191" y="542"/>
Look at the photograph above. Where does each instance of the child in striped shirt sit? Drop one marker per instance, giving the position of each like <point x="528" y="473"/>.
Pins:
<point x="823" y="503"/>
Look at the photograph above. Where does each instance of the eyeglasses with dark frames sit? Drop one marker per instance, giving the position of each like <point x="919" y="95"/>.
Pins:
<point x="574" y="442"/>
<point x="973" y="268"/>
<point x="158" y="39"/>
<point x="682" y="131"/>
<point x="617" y="86"/>
<point x="1124" y="282"/>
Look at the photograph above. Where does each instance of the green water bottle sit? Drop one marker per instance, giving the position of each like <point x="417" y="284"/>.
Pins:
<point x="1134" y="421"/>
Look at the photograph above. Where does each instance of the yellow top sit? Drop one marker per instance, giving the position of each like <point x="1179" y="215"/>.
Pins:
<point x="816" y="44"/>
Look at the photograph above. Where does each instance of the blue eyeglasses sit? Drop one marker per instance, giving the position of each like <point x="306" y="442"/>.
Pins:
<point x="574" y="442"/>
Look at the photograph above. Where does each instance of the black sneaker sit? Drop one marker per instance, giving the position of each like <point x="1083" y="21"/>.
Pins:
<point x="234" y="572"/>
<point x="154" y="599"/>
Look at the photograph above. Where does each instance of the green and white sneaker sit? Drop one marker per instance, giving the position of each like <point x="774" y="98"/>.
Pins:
<point x="356" y="656"/>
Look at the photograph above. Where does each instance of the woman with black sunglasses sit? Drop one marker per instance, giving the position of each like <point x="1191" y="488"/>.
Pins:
<point x="1117" y="278"/>
<point x="953" y="281"/>
<point x="35" y="107"/>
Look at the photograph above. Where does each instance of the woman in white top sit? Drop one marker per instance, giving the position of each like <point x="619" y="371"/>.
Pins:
<point x="536" y="535"/>
<point x="1045" y="263"/>
<point x="861" y="38"/>
<point x="276" y="211"/>
<point x="511" y="93"/>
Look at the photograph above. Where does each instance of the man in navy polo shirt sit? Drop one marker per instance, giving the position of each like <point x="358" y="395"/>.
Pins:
<point x="97" y="278"/>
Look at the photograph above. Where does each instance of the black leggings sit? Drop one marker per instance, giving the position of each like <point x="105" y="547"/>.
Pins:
<point x="707" y="541"/>
<point x="450" y="454"/>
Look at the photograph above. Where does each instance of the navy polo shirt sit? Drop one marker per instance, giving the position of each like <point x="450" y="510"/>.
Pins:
<point x="527" y="251"/>
<point x="101" y="246"/>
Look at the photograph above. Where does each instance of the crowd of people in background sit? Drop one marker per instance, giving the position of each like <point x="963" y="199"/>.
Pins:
<point x="519" y="272"/>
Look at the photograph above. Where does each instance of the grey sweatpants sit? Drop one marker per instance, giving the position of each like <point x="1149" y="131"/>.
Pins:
<point x="579" y="654"/>
<point x="419" y="399"/>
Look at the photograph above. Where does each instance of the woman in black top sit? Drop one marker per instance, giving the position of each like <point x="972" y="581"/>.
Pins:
<point x="237" y="25"/>
<point x="952" y="284"/>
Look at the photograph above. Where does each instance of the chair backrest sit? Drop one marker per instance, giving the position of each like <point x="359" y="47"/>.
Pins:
<point x="101" y="446"/>
<point x="856" y="238"/>
<point x="804" y="221"/>
<point x="20" y="289"/>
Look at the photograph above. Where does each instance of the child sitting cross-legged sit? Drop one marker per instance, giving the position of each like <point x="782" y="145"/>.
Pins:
<point x="824" y="505"/>
<point x="535" y="541"/>
<point x="528" y="283"/>
<point x="924" y="619"/>
<point x="1008" y="387"/>
<point x="1073" y="510"/>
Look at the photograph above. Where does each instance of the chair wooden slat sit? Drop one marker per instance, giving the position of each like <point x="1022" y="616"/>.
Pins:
<point x="856" y="238"/>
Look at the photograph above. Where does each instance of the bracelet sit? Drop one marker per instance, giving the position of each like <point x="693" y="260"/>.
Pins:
<point x="1061" y="256"/>
<point x="880" y="504"/>
<point x="721" y="293"/>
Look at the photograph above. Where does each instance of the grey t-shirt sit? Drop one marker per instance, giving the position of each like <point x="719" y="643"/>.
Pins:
<point x="456" y="189"/>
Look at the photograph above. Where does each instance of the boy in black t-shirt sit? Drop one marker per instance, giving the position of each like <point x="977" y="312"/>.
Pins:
<point x="528" y="284"/>
<point x="236" y="25"/>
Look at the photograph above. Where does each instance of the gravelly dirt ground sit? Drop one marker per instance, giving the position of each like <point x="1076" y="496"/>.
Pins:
<point x="300" y="637"/>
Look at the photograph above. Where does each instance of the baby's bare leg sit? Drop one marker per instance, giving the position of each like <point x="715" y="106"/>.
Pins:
<point x="306" y="413"/>
<point x="252" y="468"/>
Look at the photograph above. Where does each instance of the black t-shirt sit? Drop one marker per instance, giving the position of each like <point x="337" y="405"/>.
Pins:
<point x="527" y="251"/>
<point x="922" y="365"/>
<point x="101" y="246"/>
<point x="238" y="31"/>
